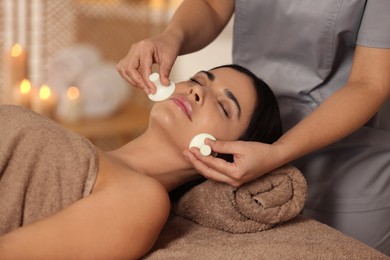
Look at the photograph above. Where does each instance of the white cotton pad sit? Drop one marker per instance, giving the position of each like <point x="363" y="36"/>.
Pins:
<point x="162" y="92"/>
<point x="198" y="141"/>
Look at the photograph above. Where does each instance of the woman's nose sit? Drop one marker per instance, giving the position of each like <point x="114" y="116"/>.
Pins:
<point x="196" y="93"/>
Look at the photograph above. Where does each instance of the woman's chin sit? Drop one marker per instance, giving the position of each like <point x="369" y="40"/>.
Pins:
<point x="166" y="122"/>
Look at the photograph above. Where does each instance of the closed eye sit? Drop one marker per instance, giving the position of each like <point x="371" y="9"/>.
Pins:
<point x="223" y="109"/>
<point x="193" y="80"/>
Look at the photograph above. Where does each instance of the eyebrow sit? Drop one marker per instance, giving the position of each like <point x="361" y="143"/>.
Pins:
<point x="227" y="92"/>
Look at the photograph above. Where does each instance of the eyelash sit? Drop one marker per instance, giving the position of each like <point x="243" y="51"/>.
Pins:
<point x="219" y="103"/>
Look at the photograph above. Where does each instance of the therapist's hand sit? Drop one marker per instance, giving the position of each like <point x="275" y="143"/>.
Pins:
<point x="251" y="160"/>
<point x="137" y="65"/>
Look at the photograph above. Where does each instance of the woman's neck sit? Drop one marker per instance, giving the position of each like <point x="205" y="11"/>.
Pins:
<point x="163" y="162"/>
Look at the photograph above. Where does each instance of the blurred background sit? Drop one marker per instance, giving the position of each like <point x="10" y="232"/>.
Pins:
<point x="59" y="58"/>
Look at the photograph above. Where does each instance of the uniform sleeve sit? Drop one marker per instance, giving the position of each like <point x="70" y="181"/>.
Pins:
<point x="375" y="26"/>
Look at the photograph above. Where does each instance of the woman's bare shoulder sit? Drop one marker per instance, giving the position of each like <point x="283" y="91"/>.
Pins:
<point x="140" y="200"/>
<point x="120" y="219"/>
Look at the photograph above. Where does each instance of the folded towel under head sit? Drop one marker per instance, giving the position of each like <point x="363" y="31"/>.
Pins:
<point x="258" y="205"/>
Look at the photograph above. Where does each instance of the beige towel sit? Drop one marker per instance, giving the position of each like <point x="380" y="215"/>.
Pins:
<point x="296" y="239"/>
<point x="259" y="205"/>
<point x="43" y="167"/>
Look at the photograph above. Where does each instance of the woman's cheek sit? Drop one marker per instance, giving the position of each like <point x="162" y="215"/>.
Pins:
<point x="163" y="116"/>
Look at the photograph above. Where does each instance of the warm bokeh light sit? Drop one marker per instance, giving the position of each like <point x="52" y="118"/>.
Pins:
<point x="157" y="4"/>
<point x="16" y="50"/>
<point x="25" y="86"/>
<point x="73" y="93"/>
<point x="44" y="92"/>
<point x="102" y="2"/>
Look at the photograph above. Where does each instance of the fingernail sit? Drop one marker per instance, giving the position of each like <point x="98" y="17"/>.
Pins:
<point x="209" y="141"/>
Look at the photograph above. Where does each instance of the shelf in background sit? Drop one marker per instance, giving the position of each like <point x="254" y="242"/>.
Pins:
<point x="115" y="131"/>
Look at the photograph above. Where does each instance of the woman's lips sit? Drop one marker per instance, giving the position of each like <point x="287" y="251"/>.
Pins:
<point x="184" y="105"/>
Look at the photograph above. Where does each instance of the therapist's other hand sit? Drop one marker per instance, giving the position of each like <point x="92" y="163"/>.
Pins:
<point x="250" y="161"/>
<point x="137" y="65"/>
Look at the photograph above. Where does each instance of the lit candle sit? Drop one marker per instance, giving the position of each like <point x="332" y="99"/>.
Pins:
<point x="8" y="18"/>
<point x="22" y="94"/>
<point x="157" y="11"/>
<point x="44" y="101"/>
<point x="22" y="14"/>
<point x="15" y="70"/>
<point x="70" y="107"/>
<point x="35" y="41"/>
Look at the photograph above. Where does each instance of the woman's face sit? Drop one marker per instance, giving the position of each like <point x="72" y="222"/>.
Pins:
<point x="219" y="102"/>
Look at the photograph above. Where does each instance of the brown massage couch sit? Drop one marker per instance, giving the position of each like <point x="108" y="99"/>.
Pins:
<point x="259" y="220"/>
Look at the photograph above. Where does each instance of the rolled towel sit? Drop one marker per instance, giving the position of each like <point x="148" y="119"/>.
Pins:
<point x="256" y="206"/>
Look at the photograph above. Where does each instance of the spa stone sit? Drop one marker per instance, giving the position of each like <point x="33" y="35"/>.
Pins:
<point x="162" y="92"/>
<point x="198" y="141"/>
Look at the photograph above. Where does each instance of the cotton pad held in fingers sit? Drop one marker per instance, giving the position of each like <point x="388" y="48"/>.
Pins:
<point x="198" y="141"/>
<point x="162" y="92"/>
